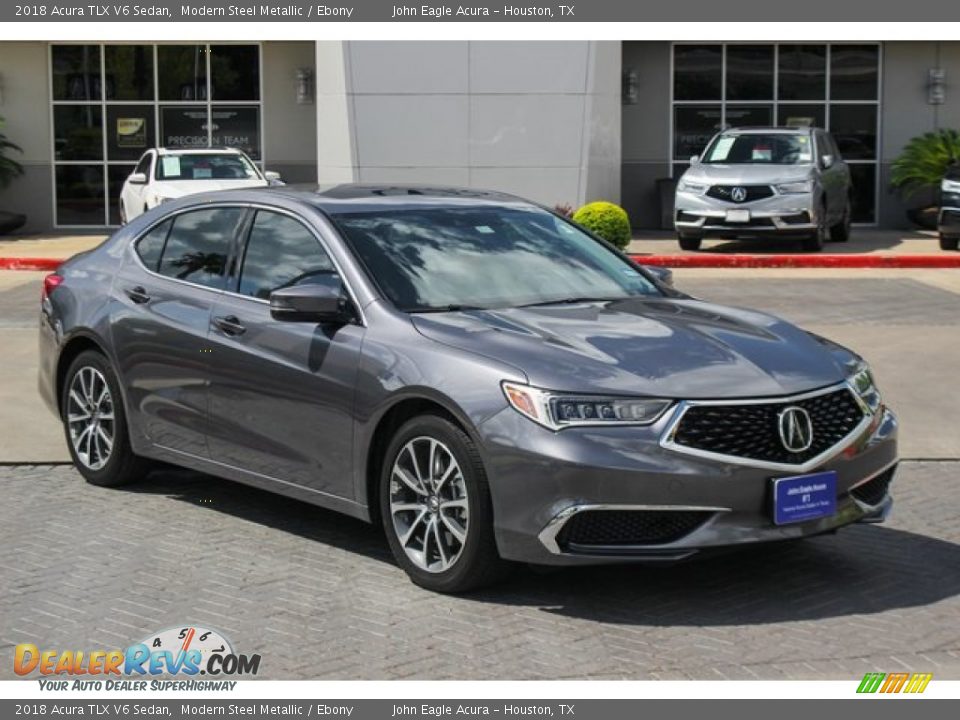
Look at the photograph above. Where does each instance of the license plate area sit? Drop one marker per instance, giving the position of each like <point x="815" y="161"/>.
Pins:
<point x="804" y="497"/>
<point x="738" y="216"/>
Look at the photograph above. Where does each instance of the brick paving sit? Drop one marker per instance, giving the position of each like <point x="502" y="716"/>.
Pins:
<point x="317" y="595"/>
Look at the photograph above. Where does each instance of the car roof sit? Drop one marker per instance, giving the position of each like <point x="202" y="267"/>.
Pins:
<point x="197" y="151"/>
<point x="368" y="197"/>
<point x="747" y="130"/>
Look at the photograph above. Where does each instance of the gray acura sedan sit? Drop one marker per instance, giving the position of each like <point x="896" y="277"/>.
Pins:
<point x="485" y="379"/>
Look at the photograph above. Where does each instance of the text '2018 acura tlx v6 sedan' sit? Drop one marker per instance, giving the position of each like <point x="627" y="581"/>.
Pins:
<point x="484" y="378"/>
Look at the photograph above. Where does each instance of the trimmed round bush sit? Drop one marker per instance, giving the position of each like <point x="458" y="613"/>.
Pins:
<point x="607" y="220"/>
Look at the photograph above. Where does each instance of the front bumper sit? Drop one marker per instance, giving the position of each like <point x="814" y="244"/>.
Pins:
<point x="702" y="216"/>
<point x="541" y="480"/>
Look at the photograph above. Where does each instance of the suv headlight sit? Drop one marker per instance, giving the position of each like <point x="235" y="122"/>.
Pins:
<point x="796" y="188"/>
<point x="950" y="186"/>
<point x="560" y="410"/>
<point x="695" y="188"/>
<point x="866" y="387"/>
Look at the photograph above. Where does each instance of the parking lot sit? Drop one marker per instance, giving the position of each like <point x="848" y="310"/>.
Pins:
<point x="317" y="595"/>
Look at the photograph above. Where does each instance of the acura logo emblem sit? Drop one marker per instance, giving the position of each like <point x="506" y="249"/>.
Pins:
<point x="796" y="429"/>
<point x="738" y="194"/>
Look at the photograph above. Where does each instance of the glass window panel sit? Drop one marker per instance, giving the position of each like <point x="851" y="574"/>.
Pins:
<point x="281" y="252"/>
<point x="198" y="244"/>
<point x="803" y="72"/>
<point x="237" y="127"/>
<point x="77" y="132"/>
<point x="182" y="72"/>
<point x="854" y="127"/>
<point x="183" y="126"/>
<point x="693" y="126"/>
<point x="129" y="72"/>
<point x="76" y="72"/>
<point x="802" y="115"/>
<point x="235" y="72"/>
<point x="116" y="174"/>
<point x="854" y="72"/>
<point x="864" y="179"/>
<point x="749" y="72"/>
<point x="749" y="115"/>
<point x="697" y="72"/>
<point x="79" y="195"/>
<point x="129" y="131"/>
<point x="150" y="246"/>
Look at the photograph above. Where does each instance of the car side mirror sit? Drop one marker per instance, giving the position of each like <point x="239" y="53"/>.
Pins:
<point x="663" y="274"/>
<point x="694" y="159"/>
<point x="137" y="178"/>
<point x="272" y="177"/>
<point x="826" y="162"/>
<point x="322" y="300"/>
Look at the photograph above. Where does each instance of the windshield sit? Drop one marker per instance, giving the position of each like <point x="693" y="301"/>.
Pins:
<point x="435" y="259"/>
<point x="196" y="166"/>
<point x="759" y="149"/>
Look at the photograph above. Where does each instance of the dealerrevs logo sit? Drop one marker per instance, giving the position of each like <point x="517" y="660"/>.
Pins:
<point x="188" y="650"/>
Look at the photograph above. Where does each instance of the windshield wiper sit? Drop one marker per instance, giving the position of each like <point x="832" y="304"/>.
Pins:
<point x="442" y="308"/>
<point x="569" y="301"/>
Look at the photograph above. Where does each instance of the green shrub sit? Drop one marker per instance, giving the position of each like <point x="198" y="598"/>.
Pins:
<point x="924" y="161"/>
<point x="9" y="168"/>
<point x="607" y="220"/>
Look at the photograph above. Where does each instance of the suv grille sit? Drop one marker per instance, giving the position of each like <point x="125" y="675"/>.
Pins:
<point x="874" y="491"/>
<point x="599" y="528"/>
<point x="753" y="192"/>
<point x="752" y="431"/>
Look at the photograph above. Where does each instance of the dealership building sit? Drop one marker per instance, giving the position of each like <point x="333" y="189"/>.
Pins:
<point x="557" y="122"/>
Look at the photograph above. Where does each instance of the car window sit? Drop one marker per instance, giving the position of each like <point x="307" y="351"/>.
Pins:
<point x="150" y="246"/>
<point x="198" y="244"/>
<point x="427" y="259"/>
<point x="835" y="151"/>
<point x="144" y="165"/>
<point x="759" y="148"/>
<point x="199" y="166"/>
<point x="280" y="252"/>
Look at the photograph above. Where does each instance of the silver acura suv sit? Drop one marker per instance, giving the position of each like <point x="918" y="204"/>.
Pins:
<point x="765" y="182"/>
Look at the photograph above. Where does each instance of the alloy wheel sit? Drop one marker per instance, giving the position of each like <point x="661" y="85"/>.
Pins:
<point x="429" y="508"/>
<point x="90" y="417"/>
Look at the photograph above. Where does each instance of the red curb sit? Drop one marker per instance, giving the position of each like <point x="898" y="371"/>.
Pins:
<point x="27" y="263"/>
<point x="813" y="260"/>
<point x="704" y="260"/>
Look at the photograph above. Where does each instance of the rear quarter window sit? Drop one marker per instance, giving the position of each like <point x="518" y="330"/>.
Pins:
<point x="150" y="246"/>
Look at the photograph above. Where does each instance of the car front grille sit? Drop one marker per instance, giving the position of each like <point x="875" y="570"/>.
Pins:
<point x="752" y="430"/>
<point x="874" y="491"/>
<point x="612" y="528"/>
<point x="751" y="192"/>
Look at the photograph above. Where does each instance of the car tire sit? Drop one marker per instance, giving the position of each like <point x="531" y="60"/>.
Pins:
<point x="814" y="242"/>
<point x="425" y="503"/>
<point x="841" y="231"/>
<point x="100" y="446"/>
<point x="689" y="242"/>
<point x="949" y="243"/>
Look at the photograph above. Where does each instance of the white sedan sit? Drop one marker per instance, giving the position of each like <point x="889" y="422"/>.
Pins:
<point x="164" y="174"/>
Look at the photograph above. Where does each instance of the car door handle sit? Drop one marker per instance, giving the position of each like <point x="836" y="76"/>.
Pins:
<point x="229" y="325"/>
<point x="137" y="294"/>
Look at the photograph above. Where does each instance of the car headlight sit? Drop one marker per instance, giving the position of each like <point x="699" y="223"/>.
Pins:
<point x="695" y="188"/>
<point x="560" y="410"/>
<point x="950" y="186"/>
<point x="796" y="188"/>
<point x="865" y="386"/>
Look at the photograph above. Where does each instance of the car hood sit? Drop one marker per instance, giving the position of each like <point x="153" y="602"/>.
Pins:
<point x="179" y="188"/>
<point x="656" y="347"/>
<point x="715" y="174"/>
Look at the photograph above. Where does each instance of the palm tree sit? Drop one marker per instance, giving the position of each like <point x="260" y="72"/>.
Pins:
<point x="924" y="160"/>
<point x="9" y="168"/>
